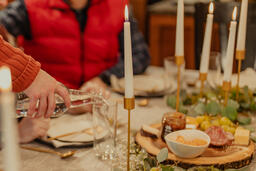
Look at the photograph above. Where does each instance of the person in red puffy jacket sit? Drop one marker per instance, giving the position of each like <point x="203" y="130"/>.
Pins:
<point x="79" y="43"/>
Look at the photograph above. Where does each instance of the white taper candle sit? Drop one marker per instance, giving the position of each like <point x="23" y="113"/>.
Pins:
<point x="241" y="37"/>
<point x="179" y="44"/>
<point x="204" y="65"/>
<point x="230" y="49"/>
<point x="11" y="155"/>
<point x="128" y="57"/>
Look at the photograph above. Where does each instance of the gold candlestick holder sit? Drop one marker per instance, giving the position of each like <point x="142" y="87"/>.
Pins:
<point x="179" y="60"/>
<point x="240" y="55"/>
<point x="129" y="104"/>
<point x="202" y="78"/>
<point x="226" y="88"/>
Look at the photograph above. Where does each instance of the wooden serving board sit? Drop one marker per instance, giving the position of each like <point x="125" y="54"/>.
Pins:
<point x="232" y="157"/>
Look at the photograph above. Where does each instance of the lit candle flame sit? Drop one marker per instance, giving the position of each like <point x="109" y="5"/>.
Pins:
<point x="5" y="79"/>
<point x="211" y="8"/>
<point x="234" y="13"/>
<point x="126" y="13"/>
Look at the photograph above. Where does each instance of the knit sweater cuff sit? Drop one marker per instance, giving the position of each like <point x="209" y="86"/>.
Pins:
<point x="24" y="68"/>
<point x="27" y="77"/>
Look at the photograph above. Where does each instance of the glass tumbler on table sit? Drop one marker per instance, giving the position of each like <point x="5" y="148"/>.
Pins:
<point x="215" y="67"/>
<point x="215" y="61"/>
<point x="171" y="69"/>
<point x="105" y="129"/>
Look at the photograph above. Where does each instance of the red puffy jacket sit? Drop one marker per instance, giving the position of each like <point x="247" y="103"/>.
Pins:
<point x="65" y="53"/>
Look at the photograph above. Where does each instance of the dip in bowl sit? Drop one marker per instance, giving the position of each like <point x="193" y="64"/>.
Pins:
<point x="187" y="143"/>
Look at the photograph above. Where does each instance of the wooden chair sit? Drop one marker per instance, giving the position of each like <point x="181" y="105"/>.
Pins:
<point x="140" y="13"/>
<point x="162" y="28"/>
<point x="222" y="18"/>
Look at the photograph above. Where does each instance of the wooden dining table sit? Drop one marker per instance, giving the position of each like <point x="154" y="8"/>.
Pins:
<point x="84" y="159"/>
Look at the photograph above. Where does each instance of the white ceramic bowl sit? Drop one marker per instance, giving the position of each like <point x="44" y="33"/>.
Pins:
<point x="184" y="150"/>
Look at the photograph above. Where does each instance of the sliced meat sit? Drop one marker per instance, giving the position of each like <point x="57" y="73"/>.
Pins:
<point x="230" y="138"/>
<point x="218" y="136"/>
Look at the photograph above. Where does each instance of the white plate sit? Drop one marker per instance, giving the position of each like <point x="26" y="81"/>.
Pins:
<point x="72" y="123"/>
<point x="191" y="2"/>
<point x="247" y="78"/>
<point x="146" y="85"/>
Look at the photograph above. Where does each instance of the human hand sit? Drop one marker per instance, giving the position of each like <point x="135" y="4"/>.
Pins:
<point x="32" y="128"/>
<point x="95" y="85"/>
<point x="43" y="88"/>
<point x="3" y="3"/>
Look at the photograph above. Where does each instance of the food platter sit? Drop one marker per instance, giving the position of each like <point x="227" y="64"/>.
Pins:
<point x="233" y="156"/>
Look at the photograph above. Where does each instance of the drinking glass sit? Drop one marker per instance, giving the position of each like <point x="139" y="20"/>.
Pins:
<point x="215" y="61"/>
<point x="171" y="69"/>
<point x="170" y="66"/>
<point x="215" y="67"/>
<point x="105" y="129"/>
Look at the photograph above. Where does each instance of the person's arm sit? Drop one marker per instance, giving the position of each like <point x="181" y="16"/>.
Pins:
<point x="24" y="68"/>
<point x="27" y="77"/>
<point x="140" y="54"/>
<point x="3" y="3"/>
<point x="15" y="18"/>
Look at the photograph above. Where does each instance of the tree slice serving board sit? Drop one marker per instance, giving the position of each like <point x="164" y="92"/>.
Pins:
<point x="232" y="157"/>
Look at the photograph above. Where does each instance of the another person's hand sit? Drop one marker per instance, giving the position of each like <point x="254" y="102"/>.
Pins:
<point x="43" y="88"/>
<point x="95" y="85"/>
<point x="32" y="128"/>
<point x="3" y="3"/>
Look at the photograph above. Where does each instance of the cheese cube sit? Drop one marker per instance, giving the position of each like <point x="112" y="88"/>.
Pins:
<point x="191" y="122"/>
<point x="242" y="136"/>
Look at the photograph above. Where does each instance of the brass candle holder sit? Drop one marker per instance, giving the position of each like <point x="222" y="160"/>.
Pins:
<point x="226" y="88"/>
<point x="179" y="60"/>
<point x="240" y="55"/>
<point x="202" y="78"/>
<point x="129" y="104"/>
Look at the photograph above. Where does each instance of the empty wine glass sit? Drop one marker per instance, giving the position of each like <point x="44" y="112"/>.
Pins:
<point x="215" y="67"/>
<point x="171" y="68"/>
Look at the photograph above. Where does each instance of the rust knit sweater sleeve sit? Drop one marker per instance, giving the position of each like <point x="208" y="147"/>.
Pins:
<point x="24" y="68"/>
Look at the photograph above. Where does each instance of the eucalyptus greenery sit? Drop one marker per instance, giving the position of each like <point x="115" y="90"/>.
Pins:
<point x="211" y="103"/>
